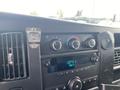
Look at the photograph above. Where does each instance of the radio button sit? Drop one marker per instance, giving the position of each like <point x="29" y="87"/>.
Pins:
<point x="56" y="89"/>
<point x="84" y="82"/>
<point x="66" y="72"/>
<point x="95" y="79"/>
<point x="72" y="71"/>
<point x="94" y="58"/>
<point x="47" y="63"/>
<point x="61" y="73"/>
<point x="89" y="80"/>
<point x="64" y="88"/>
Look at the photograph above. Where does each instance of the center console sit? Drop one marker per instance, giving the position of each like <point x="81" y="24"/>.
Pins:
<point x="73" y="61"/>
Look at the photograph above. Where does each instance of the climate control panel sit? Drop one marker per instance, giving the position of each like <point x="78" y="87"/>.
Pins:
<point x="62" y="43"/>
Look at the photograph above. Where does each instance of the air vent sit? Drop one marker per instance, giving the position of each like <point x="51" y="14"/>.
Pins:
<point x="117" y="39"/>
<point x="117" y="57"/>
<point x="13" y="56"/>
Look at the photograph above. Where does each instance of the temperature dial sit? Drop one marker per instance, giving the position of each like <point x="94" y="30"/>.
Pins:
<point x="56" y="44"/>
<point x="91" y="43"/>
<point x="74" y="44"/>
<point x="75" y="84"/>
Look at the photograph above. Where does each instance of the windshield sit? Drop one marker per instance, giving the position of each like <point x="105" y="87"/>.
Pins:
<point x="101" y="12"/>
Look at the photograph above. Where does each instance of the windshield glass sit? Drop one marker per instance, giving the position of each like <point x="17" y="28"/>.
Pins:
<point x="101" y="12"/>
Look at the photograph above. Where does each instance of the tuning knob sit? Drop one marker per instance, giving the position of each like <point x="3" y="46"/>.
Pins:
<point x="56" y="44"/>
<point x="74" y="44"/>
<point x="91" y="43"/>
<point x="75" y="84"/>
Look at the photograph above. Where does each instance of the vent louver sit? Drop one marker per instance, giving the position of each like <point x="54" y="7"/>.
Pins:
<point x="117" y="57"/>
<point x="13" y="56"/>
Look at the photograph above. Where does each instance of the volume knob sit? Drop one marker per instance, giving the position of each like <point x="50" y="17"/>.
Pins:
<point x="75" y="84"/>
<point x="74" y="44"/>
<point x="56" y="44"/>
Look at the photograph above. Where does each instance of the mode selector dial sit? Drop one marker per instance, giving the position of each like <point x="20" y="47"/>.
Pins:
<point x="56" y="44"/>
<point x="75" y="84"/>
<point x="74" y="43"/>
<point x="91" y="43"/>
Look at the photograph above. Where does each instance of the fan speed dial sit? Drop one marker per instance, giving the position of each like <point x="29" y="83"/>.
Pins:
<point x="56" y="44"/>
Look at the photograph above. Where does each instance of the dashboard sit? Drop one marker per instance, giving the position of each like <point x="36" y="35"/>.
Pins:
<point x="39" y="53"/>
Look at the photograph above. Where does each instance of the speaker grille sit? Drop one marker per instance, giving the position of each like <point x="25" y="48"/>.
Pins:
<point x="13" y="56"/>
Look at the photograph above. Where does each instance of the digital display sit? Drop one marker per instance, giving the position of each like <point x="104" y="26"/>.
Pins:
<point x="61" y="64"/>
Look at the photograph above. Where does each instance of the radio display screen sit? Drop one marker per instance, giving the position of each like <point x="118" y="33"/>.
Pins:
<point x="61" y="64"/>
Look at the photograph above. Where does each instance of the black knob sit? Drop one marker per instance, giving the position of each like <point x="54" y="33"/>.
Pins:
<point x="91" y="43"/>
<point x="74" y="44"/>
<point x="94" y="58"/>
<point x="56" y="44"/>
<point x="75" y="84"/>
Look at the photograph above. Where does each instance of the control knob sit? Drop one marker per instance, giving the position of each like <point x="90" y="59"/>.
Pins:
<point x="91" y="43"/>
<point x="74" y="43"/>
<point x="94" y="58"/>
<point x="75" y="84"/>
<point x="56" y="44"/>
